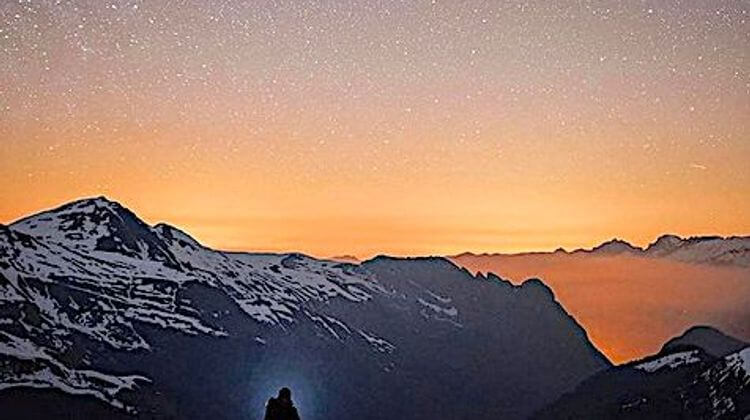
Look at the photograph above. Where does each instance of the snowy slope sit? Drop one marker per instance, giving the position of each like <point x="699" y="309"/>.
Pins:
<point x="670" y="361"/>
<point x="93" y="268"/>
<point x="94" y="302"/>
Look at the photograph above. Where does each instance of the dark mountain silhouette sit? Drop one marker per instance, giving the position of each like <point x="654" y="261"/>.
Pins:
<point x="703" y="374"/>
<point x="101" y="313"/>
<point x="710" y="340"/>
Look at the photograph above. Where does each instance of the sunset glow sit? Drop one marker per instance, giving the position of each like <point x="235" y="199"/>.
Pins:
<point x="383" y="127"/>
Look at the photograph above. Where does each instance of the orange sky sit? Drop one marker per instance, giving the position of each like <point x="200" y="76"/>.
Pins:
<point x="397" y="210"/>
<point x="411" y="128"/>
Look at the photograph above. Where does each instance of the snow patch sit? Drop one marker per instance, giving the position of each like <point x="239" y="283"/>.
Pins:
<point x="740" y="359"/>
<point x="451" y="312"/>
<point x="376" y="342"/>
<point x="745" y="357"/>
<point x="671" y="361"/>
<point x="50" y="373"/>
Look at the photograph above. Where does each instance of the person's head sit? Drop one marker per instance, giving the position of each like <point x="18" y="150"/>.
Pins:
<point x="285" y="394"/>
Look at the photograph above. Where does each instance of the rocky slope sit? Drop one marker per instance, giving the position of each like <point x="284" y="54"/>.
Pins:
<point x="702" y="374"/>
<point x="102" y="313"/>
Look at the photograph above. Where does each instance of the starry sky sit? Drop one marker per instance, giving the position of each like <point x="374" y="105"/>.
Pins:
<point x="383" y="126"/>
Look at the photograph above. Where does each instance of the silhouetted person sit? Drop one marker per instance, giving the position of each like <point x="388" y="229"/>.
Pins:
<point x="281" y="407"/>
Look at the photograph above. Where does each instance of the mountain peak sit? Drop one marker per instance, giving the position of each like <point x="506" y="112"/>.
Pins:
<point x="174" y="234"/>
<point x="616" y="246"/>
<point x="706" y="338"/>
<point x="537" y="287"/>
<point x="668" y="238"/>
<point x="90" y="202"/>
<point x="100" y="199"/>
<point x="49" y="222"/>
<point x="665" y="244"/>
<point x="97" y="224"/>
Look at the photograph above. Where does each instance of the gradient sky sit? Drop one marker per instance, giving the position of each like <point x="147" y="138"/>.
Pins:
<point x="400" y="127"/>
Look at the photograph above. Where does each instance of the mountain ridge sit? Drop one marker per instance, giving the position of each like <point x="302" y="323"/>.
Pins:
<point x="702" y="373"/>
<point x="76" y="316"/>
<point x="704" y="249"/>
<point x="701" y="249"/>
<point x="709" y="339"/>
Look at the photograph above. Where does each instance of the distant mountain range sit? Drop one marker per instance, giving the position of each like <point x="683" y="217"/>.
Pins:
<point x="104" y="316"/>
<point x="733" y="250"/>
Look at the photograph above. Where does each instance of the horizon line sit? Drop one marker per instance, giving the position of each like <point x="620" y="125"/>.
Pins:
<point x="361" y="258"/>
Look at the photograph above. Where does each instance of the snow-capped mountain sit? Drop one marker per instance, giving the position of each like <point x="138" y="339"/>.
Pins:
<point x="703" y="374"/>
<point x="98" y="225"/>
<point x="104" y="314"/>
<point x="700" y="249"/>
<point x="733" y="251"/>
<point x="703" y="249"/>
<point x="613" y="247"/>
